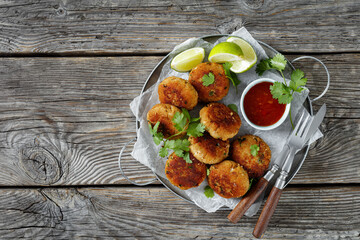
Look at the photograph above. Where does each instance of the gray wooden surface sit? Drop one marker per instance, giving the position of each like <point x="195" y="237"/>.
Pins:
<point x="68" y="71"/>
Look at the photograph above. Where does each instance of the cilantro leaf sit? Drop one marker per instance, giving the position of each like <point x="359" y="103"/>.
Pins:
<point x="179" y="153"/>
<point x="233" y="107"/>
<point x="207" y="172"/>
<point x="182" y="144"/>
<point x="209" y="193"/>
<point x="178" y="144"/>
<point x="196" y="129"/>
<point x="278" y="62"/>
<point x="180" y="121"/>
<point x="187" y="157"/>
<point x="186" y="113"/>
<point x="208" y="79"/>
<point x="281" y="92"/>
<point x="254" y="149"/>
<point x="157" y="136"/>
<point x="263" y="66"/>
<point x="231" y="75"/>
<point x="163" y="152"/>
<point x="195" y="119"/>
<point x="297" y="80"/>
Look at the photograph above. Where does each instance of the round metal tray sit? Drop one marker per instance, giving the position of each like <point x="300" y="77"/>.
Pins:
<point x="300" y="156"/>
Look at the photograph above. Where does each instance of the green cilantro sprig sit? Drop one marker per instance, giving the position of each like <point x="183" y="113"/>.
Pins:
<point x="231" y="75"/>
<point x="209" y="193"/>
<point x="254" y="149"/>
<point x="282" y="91"/>
<point x="182" y="122"/>
<point x="233" y="107"/>
<point x="208" y="79"/>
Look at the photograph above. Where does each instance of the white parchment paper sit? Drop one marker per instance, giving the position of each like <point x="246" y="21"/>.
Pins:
<point x="146" y="152"/>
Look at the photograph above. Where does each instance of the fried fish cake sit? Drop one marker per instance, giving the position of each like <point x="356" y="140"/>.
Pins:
<point x="216" y="90"/>
<point x="208" y="149"/>
<point x="178" y="92"/>
<point x="241" y="153"/>
<point x="185" y="175"/>
<point x="228" y="179"/>
<point x="220" y="121"/>
<point x="164" y="114"/>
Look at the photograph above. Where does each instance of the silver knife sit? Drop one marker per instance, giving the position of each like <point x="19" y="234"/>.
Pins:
<point x="315" y="123"/>
<point x="295" y="144"/>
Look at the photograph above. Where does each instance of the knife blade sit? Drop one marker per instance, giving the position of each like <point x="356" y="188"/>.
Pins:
<point x="316" y="122"/>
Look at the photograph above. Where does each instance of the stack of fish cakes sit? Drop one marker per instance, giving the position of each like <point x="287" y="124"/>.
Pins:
<point x="212" y="150"/>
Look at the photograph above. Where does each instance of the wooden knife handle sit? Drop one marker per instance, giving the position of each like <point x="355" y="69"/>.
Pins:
<point x="247" y="200"/>
<point x="267" y="212"/>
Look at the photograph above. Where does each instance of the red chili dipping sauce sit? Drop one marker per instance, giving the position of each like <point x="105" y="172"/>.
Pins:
<point x="260" y="107"/>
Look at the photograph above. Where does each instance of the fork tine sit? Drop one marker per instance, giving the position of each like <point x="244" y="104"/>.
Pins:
<point x="303" y="125"/>
<point x="298" y="124"/>
<point x="306" y="130"/>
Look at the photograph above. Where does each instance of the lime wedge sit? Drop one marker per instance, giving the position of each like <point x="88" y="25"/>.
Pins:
<point x="188" y="59"/>
<point x="249" y="55"/>
<point x="225" y="52"/>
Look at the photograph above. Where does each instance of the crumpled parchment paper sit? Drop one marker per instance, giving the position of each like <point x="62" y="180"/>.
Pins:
<point x="146" y="152"/>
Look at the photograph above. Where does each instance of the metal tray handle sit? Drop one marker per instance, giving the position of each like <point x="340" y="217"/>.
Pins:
<point x="327" y="72"/>
<point x="122" y="171"/>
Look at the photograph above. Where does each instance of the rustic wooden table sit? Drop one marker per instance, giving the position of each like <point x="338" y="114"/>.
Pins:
<point x="68" y="71"/>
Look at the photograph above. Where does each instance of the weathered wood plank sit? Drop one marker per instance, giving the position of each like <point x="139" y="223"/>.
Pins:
<point x="118" y="27"/>
<point x="302" y="213"/>
<point x="64" y="120"/>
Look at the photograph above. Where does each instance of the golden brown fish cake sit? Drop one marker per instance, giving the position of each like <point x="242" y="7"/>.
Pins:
<point x="241" y="153"/>
<point x="228" y="179"/>
<point x="164" y="114"/>
<point x="208" y="149"/>
<point x="220" y="121"/>
<point x="215" y="91"/>
<point x="178" y="92"/>
<point x="185" y="175"/>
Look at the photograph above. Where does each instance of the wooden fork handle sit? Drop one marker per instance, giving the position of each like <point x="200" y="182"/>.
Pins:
<point x="267" y="212"/>
<point x="247" y="200"/>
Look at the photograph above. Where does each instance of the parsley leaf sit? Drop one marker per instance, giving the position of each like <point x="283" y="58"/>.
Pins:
<point x="281" y="92"/>
<point x="196" y="129"/>
<point x="180" y="148"/>
<point x="254" y="149"/>
<point x="163" y="152"/>
<point x="231" y="75"/>
<point x="180" y="121"/>
<point x="233" y="107"/>
<point x="195" y="119"/>
<point x="209" y="193"/>
<point x="178" y="144"/>
<point x="157" y="136"/>
<point x="187" y="157"/>
<point x="263" y="66"/>
<point x="297" y="80"/>
<point x="208" y="79"/>
<point x="186" y="113"/>
<point x="278" y="62"/>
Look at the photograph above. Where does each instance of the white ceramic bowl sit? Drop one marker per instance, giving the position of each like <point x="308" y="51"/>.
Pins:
<point x="278" y="123"/>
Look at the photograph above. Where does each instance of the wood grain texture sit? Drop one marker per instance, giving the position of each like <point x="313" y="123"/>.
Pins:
<point x="305" y="213"/>
<point x="64" y="120"/>
<point x="153" y="26"/>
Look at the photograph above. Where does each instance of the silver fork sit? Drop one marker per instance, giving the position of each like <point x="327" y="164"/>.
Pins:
<point x="261" y="185"/>
<point x="296" y="141"/>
